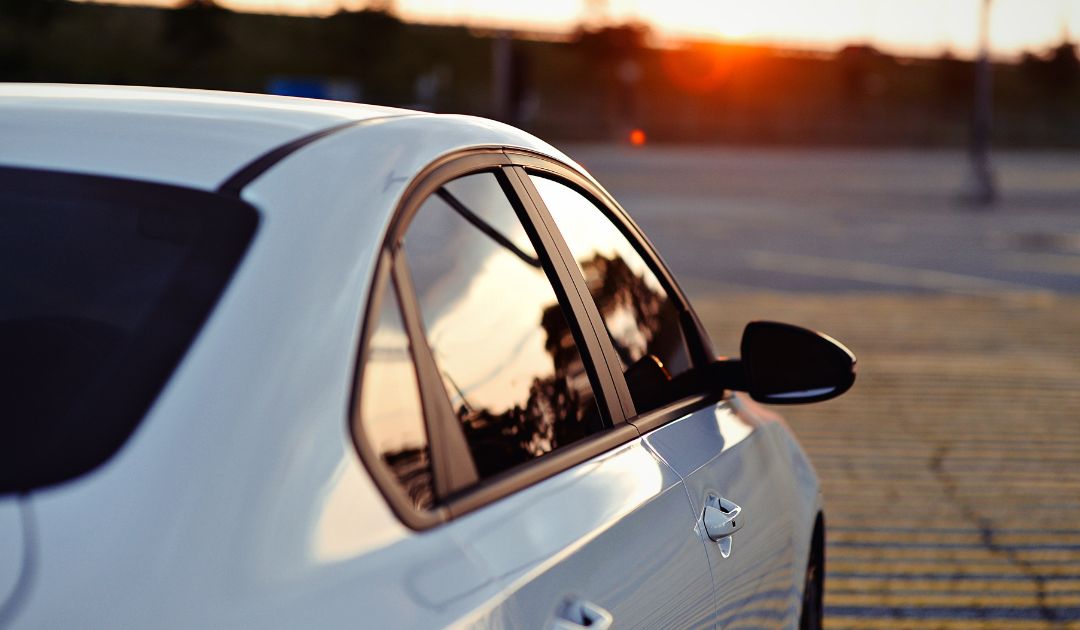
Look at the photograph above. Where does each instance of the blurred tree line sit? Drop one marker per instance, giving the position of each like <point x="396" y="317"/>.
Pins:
<point x="597" y="83"/>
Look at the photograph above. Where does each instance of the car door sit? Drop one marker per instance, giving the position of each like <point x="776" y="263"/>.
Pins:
<point x="524" y="463"/>
<point x="731" y="465"/>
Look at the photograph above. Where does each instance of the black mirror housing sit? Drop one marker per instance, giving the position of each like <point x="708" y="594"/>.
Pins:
<point x="786" y="365"/>
<point x="783" y="364"/>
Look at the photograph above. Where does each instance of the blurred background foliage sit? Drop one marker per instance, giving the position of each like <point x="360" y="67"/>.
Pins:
<point x="686" y="92"/>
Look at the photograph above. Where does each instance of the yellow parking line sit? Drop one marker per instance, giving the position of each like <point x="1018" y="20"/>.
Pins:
<point x="967" y="555"/>
<point x="1001" y="538"/>
<point x="1003" y="454"/>
<point x="959" y="568"/>
<point x="934" y="485"/>
<point x="865" y="623"/>
<point x="990" y="586"/>
<point x="899" y="600"/>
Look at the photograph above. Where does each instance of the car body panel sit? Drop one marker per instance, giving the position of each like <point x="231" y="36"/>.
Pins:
<point x="615" y="531"/>
<point x="719" y="452"/>
<point x="12" y="552"/>
<point x="193" y="138"/>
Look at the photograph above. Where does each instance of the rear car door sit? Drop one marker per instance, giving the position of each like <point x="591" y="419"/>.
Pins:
<point x="727" y="460"/>
<point x="577" y="522"/>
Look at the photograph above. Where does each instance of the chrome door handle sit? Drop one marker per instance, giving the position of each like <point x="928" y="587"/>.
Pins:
<point x="722" y="518"/>
<point x="578" y="613"/>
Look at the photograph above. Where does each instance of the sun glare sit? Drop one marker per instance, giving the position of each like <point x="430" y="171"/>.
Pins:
<point x="731" y="19"/>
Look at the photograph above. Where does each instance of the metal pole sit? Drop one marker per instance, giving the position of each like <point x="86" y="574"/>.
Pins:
<point x="502" y="51"/>
<point x="983" y="190"/>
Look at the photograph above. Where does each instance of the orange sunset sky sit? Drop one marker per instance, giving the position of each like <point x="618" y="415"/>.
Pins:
<point x="920" y="27"/>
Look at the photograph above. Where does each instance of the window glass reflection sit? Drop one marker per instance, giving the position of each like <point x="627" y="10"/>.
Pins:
<point x="390" y="413"/>
<point x="500" y="338"/>
<point x="640" y="317"/>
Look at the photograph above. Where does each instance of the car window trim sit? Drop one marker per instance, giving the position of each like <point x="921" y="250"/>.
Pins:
<point x="681" y="408"/>
<point x="447" y="168"/>
<point x="700" y="346"/>
<point x="487" y="229"/>
<point x="571" y="276"/>
<point x="384" y="479"/>
<point x="516" y="479"/>
<point x="697" y="340"/>
<point x="611" y="398"/>
<point x="452" y="466"/>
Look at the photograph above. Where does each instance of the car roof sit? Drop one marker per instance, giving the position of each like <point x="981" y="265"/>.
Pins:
<point x="196" y="138"/>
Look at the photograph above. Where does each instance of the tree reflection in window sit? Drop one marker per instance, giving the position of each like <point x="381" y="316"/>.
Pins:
<point x="639" y="315"/>
<point x="508" y="357"/>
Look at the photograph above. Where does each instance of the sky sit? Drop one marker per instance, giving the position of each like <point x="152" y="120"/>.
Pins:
<point x="917" y="27"/>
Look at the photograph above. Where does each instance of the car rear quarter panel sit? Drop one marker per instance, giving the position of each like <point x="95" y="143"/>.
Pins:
<point x="13" y="550"/>
<point x="240" y="501"/>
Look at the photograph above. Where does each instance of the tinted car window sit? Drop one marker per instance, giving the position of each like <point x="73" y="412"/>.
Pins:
<point x="103" y="285"/>
<point x="390" y="413"/>
<point x="640" y="317"/>
<point x="501" y="340"/>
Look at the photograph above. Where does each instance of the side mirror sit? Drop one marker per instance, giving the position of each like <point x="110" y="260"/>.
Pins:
<point x="783" y="364"/>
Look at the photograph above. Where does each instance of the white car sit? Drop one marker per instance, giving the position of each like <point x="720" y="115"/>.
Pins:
<point x="282" y="363"/>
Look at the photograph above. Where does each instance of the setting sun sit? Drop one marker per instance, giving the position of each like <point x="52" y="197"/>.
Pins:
<point x="733" y="19"/>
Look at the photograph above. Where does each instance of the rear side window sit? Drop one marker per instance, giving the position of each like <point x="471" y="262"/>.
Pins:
<point x="103" y="285"/>
<point x="502" y="342"/>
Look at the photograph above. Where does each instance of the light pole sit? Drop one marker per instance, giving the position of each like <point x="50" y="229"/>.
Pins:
<point x="502" y="69"/>
<point x="983" y="190"/>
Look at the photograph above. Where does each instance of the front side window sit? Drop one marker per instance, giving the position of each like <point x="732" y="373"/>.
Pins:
<point x="640" y="316"/>
<point x="501" y="340"/>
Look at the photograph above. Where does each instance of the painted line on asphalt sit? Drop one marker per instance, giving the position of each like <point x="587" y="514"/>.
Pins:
<point x="973" y="613"/>
<point x="882" y="274"/>
<point x="948" y="576"/>
<point x="903" y="545"/>
<point x="850" y="623"/>
<point x="1012" y="587"/>
<point x="947" y="530"/>
<point x="952" y="592"/>
<point x="969" y="557"/>
<point x="1061" y="265"/>
<point x="1018" y="601"/>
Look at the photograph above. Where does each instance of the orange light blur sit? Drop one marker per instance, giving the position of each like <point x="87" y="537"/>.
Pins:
<point x="700" y="68"/>
<point x="637" y="137"/>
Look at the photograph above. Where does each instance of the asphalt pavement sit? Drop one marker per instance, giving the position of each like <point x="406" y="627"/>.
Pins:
<point x="951" y="471"/>
<point x="844" y="220"/>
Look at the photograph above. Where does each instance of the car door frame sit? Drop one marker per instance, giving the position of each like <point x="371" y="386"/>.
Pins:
<point x="391" y="271"/>
<point x="512" y="166"/>
<point x="697" y="339"/>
